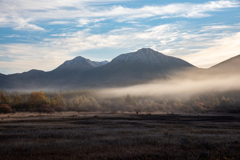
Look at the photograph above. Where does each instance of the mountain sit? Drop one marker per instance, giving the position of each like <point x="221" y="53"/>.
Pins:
<point x="127" y="69"/>
<point x="37" y="79"/>
<point x="140" y="66"/>
<point x="3" y="79"/>
<point x="70" y="69"/>
<point x="228" y="66"/>
<point x="78" y="64"/>
<point x="28" y="79"/>
<point x="131" y="68"/>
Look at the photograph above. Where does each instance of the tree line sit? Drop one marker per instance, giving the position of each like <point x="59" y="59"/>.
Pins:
<point x="84" y="101"/>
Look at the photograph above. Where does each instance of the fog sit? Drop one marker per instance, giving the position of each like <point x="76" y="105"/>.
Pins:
<point x="180" y="87"/>
<point x="185" y="92"/>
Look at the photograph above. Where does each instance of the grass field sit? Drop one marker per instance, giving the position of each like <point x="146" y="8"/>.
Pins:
<point x="71" y="135"/>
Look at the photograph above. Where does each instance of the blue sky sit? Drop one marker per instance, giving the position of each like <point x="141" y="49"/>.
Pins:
<point x="43" y="34"/>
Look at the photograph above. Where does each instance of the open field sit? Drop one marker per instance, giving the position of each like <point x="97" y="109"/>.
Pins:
<point x="71" y="135"/>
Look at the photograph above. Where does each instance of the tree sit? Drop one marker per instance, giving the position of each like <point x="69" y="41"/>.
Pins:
<point x="60" y="101"/>
<point x="213" y="101"/>
<point x="128" y="100"/>
<point x="225" y="103"/>
<point x="36" y="99"/>
<point x="177" y="103"/>
<point x="53" y="102"/>
<point x="3" y="98"/>
<point x="17" y="102"/>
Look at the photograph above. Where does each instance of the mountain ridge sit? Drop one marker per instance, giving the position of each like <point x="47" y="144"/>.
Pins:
<point x="130" y="68"/>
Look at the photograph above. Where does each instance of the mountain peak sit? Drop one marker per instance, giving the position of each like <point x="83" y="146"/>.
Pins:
<point x="145" y="50"/>
<point x="146" y="55"/>
<point x="80" y="63"/>
<point x="79" y="58"/>
<point x="148" y="52"/>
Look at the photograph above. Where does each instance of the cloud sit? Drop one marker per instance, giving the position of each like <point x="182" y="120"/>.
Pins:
<point x="59" y="22"/>
<point x="24" y="13"/>
<point x="220" y="27"/>
<point x="64" y="46"/>
<point x="223" y="48"/>
<point x="84" y="21"/>
<point x="12" y="36"/>
<point x="171" y="39"/>
<point x="18" y="23"/>
<point x="24" y="57"/>
<point x="22" y="24"/>
<point x="196" y="47"/>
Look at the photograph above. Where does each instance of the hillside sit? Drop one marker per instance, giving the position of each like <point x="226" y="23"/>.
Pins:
<point x="145" y="64"/>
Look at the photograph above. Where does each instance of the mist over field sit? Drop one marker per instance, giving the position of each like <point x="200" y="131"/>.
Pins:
<point x="172" y="88"/>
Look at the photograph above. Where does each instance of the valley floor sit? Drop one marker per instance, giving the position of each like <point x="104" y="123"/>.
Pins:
<point x="71" y="135"/>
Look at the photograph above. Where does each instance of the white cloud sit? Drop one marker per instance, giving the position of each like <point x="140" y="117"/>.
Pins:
<point x="204" y="48"/>
<point x="220" y="27"/>
<point x="85" y="21"/>
<point x="84" y="12"/>
<point x="18" y="23"/>
<point x="25" y="57"/>
<point x="22" y="24"/>
<point x="59" y="22"/>
<point x="52" y="51"/>
<point x="224" y="48"/>
<point x="200" y="49"/>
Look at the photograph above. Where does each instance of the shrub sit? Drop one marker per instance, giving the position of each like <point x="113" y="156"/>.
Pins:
<point x="4" y="108"/>
<point x="45" y="108"/>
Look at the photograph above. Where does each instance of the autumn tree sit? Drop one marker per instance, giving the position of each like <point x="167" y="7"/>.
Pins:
<point x="53" y="103"/>
<point x="3" y="98"/>
<point x="17" y="102"/>
<point x="36" y="99"/>
<point x="177" y="103"/>
<point x="213" y="101"/>
<point x="83" y="104"/>
<point x="128" y="100"/>
<point x="128" y="103"/>
<point x="58" y="103"/>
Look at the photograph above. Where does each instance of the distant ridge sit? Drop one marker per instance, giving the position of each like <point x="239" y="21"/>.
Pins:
<point x="59" y="77"/>
<point x="126" y="69"/>
<point x="134" y="67"/>
<point x="228" y="66"/>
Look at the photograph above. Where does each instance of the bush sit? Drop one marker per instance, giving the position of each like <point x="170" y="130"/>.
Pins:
<point x="45" y="108"/>
<point x="4" y="108"/>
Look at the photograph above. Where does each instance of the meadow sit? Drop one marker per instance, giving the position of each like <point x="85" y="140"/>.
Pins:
<point x="95" y="135"/>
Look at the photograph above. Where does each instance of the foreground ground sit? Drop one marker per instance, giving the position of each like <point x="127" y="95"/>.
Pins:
<point x="119" y="136"/>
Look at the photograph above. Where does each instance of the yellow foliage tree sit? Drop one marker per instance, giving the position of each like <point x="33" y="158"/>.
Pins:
<point x="36" y="99"/>
<point x="17" y="100"/>
<point x="3" y="99"/>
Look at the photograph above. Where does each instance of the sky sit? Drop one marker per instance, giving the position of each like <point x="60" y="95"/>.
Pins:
<point x="43" y="34"/>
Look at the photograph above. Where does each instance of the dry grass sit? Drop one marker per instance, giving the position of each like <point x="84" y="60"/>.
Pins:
<point x="125" y="136"/>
